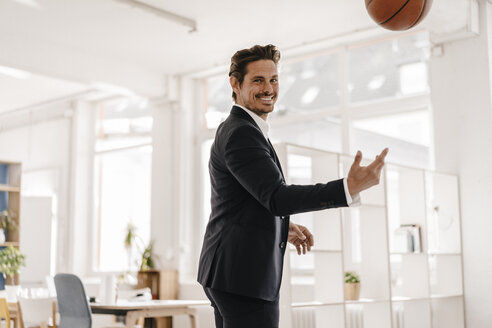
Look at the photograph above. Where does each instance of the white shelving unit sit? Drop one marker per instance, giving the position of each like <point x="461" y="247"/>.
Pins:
<point x="405" y="282"/>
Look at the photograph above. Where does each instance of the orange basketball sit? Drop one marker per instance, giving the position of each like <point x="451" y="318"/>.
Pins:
<point x="398" y="15"/>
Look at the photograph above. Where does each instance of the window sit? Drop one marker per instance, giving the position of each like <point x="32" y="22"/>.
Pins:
<point x="122" y="181"/>
<point x="406" y="134"/>
<point x="383" y="103"/>
<point x="308" y="85"/>
<point x="389" y="69"/>
<point x="219" y="100"/>
<point x="323" y="133"/>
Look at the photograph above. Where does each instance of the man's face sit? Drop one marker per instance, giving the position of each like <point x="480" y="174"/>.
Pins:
<point x="259" y="90"/>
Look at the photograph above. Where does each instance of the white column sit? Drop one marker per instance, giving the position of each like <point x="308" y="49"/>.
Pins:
<point x="164" y="199"/>
<point x="462" y="113"/>
<point x="80" y="188"/>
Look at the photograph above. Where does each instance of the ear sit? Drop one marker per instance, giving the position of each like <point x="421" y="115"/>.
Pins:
<point x="234" y="84"/>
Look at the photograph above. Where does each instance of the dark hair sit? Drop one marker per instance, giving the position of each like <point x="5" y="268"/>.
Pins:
<point x="242" y="58"/>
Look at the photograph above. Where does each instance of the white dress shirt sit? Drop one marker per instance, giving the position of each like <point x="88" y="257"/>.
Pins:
<point x="265" y="128"/>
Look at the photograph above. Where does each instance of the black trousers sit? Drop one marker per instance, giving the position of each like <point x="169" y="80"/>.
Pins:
<point x="236" y="311"/>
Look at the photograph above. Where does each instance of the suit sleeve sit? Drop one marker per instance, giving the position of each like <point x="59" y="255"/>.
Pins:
<point x="248" y="158"/>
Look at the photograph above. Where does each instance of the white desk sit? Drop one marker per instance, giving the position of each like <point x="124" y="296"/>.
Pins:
<point x="149" y="309"/>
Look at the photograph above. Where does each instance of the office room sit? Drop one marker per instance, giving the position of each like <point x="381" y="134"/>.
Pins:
<point x="369" y="130"/>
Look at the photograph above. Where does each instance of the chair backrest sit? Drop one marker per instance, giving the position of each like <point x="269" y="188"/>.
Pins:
<point x="73" y="306"/>
<point x="4" y="311"/>
<point x="36" y="311"/>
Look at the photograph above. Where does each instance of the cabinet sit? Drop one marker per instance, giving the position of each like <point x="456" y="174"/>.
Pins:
<point x="404" y="240"/>
<point x="10" y="187"/>
<point x="163" y="285"/>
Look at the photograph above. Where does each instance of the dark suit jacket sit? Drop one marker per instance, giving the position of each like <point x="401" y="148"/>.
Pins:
<point x="246" y="235"/>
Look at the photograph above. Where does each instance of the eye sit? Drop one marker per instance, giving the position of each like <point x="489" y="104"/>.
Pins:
<point x="257" y="80"/>
<point x="274" y="80"/>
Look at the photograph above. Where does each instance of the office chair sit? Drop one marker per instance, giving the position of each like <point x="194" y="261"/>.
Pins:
<point x="74" y="309"/>
<point x="4" y="312"/>
<point x="73" y="306"/>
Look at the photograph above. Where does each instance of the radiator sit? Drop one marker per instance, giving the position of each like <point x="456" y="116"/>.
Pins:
<point x="398" y="321"/>
<point x="305" y="317"/>
<point x="354" y="315"/>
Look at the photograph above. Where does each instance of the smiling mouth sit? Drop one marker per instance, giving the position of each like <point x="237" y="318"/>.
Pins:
<point x="266" y="99"/>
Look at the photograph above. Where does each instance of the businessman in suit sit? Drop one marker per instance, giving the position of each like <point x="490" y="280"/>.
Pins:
<point x="241" y="262"/>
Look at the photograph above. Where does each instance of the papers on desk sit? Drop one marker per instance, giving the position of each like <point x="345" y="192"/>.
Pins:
<point x="136" y="295"/>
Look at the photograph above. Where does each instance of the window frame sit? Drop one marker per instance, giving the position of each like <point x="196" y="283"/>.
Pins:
<point x="347" y="112"/>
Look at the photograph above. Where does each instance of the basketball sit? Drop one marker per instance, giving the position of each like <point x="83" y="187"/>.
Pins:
<point x="398" y="15"/>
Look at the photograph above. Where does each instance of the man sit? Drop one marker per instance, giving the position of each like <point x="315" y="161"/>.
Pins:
<point x="241" y="262"/>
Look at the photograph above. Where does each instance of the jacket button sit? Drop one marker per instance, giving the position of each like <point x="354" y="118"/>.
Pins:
<point x="282" y="245"/>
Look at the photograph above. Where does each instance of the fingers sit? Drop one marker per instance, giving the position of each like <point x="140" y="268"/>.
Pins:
<point x="298" y="231"/>
<point x="301" y="246"/>
<point x="357" y="159"/>
<point x="309" y="239"/>
<point x="303" y="239"/>
<point x="378" y="163"/>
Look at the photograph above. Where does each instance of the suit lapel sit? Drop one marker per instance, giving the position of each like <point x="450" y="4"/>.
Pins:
<point x="275" y="157"/>
<point x="239" y="111"/>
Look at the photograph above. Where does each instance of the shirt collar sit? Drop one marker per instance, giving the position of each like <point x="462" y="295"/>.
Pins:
<point x="262" y="124"/>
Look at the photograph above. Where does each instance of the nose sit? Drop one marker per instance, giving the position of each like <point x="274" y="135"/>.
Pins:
<point x="268" y="88"/>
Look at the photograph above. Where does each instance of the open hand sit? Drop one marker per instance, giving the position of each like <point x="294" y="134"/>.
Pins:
<point x="363" y="177"/>
<point x="300" y="237"/>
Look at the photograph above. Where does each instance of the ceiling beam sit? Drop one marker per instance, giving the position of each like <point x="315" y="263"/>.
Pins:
<point x="162" y="13"/>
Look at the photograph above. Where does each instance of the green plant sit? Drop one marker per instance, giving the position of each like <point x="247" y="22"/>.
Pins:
<point x="7" y="221"/>
<point x="11" y="260"/>
<point x="351" y="277"/>
<point x="148" y="258"/>
<point x="147" y="253"/>
<point x="130" y="235"/>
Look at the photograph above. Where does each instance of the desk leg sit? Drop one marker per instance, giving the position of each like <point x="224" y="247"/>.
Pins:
<point x="131" y="319"/>
<point x="192" y="320"/>
<point x="192" y="314"/>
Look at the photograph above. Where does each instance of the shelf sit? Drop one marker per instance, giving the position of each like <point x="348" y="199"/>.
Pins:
<point x="399" y="288"/>
<point x="436" y="297"/>
<point x="10" y="243"/>
<point x="319" y="303"/>
<point x="365" y="300"/>
<point x="9" y="188"/>
<point x="313" y="250"/>
<point x="362" y="204"/>
<point x="406" y="254"/>
<point x="313" y="304"/>
<point x="409" y="299"/>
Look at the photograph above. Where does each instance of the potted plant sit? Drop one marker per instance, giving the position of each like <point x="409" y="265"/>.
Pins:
<point x="147" y="254"/>
<point x="7" y="223"/>
<point x="148" y="262"/>
<point x="11" y="260"/>
<point x="352" y="286"/>
<point x="130" y="241"/>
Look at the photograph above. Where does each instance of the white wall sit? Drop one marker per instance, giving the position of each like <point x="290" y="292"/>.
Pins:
<point x="462" y="113"/>
<point x="44" y="146"/>
<point x="58" y="140"/>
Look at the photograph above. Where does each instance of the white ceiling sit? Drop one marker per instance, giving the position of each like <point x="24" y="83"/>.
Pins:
<point x="93" y="41"/>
